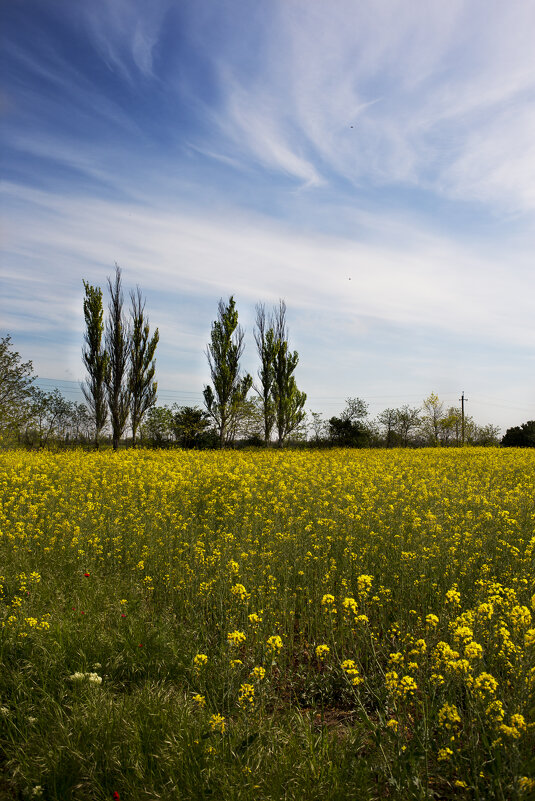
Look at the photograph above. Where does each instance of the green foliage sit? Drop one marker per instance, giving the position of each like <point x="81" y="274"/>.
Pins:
<point x="407" y="419"/>
<point x="224" y="400"/>
<point x="157" y="428"/>
<point x="348" y="430"/>
<point x="190" y="426"/>
<point x="15" y="389"/>
<point x="430" y="423"/>
<point x="288" y="400"/>
<point x="95" y="359"/>
<point x="267" y="349"/>
<point x="141" y="384"/>
<point x="522" y="436"/>
<point x="118" y="351"/>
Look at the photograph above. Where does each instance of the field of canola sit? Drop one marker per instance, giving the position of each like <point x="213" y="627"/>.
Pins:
<point x="337" y="624"/>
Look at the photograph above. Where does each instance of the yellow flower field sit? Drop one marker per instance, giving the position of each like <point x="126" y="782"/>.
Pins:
<point x="384" y="597"/>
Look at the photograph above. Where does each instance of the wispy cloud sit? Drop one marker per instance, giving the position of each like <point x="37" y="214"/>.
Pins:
<point x="391" y="93"/>
<point x="401" y="276"/>
<point x="125" y="33"/>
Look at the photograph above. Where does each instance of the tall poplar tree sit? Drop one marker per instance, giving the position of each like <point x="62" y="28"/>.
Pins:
<point x="141" y="383"/>
<point x="225" y="399"/>
<point x="118" y="349"/>
<point x="288" y="400"/>
<point x="95" y="359"/>
<point x="266" y="346"/>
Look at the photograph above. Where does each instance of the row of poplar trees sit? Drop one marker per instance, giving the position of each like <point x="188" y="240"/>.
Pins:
<point x="118" y="354"/>
<point x="282" y="404"/>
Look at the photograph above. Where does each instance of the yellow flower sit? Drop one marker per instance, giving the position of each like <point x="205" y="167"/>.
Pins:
<point x="518" y="721"/>
<point x="322" y="651"/>
<point x="392" y="724"/>
<point x="529" y="638"/>
<point x="495" y="712"/>
<point x="431" y="621"/>
<point x="444" y="754"/>
<point x="396" y="658"/>
<point x="485" y="684"/>
<point x="473" y="650"/>
<point x="274" y="644"/>
<point x="246" y="695"/>
<point x="350" y="605"/>
<point x="200" y="700"/>
<point x="485" y="610"/>
<point x="407" y="686"/>
<point x="258" y="673"/>
<point x="453" y="596"/>
<point x="448" y="716"/>
<point x="521" y="617"/>
<point x="239" y="591"/>
<point x="327" y="600"/>
<point x="526" y="783"/>
<point x="217" y="723"/>
<point x="200" y="661"/>
<point x="236" y="638"/>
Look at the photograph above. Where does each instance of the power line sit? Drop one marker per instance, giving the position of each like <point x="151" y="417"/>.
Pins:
<point x="74" y="387"/>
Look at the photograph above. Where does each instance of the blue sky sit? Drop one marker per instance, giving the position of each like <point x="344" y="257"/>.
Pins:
<point x="372" y="163"/>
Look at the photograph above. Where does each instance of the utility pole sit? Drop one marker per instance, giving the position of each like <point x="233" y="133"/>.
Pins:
<point x="462" y="399"/>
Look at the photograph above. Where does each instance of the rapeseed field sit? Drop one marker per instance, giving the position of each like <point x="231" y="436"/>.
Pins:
<point x="268" y="624"/>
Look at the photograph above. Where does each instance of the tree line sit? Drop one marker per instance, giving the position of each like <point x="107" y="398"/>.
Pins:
<point x="120" y="392"/>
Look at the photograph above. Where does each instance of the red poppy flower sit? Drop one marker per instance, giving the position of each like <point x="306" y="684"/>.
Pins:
<point x="116" y="796"/>
<point x="123" y="615"/>
<point x="87" y="575"/>
<point x="140" y="645"/>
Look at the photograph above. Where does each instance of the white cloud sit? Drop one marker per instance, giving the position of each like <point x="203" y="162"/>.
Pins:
<point x="441" y="96"/>
<point x="400" y="275"/>
<point x="125" y="33"/>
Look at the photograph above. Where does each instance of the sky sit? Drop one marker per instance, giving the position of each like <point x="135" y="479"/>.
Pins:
<point x="371" y="162"/>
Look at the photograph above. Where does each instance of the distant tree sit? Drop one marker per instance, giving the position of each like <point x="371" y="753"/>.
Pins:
<point x="355" y="409"/>
<point x="190" y="424"/>
<point x="141" y="384"/>
<point x="289" y="401"/>
<point x="118" y="351"/>
<point x="15" y="388"/>
<point x="248" y="423"/>
<point x="267" y="347"/>
<point x="158" y="426"/>
<point x="347" y="433"/>
<point x="95" y="359"/>
<point x="485" y="435"/>
<point x="387" y="420"/>
<point x="81" y="423"/>
<point x="318" y="426"/>
<point x="451" y="426"/>
<point x="224" y="400"/>
<point x="522" y="436"/>
<point x="431" y="422"/>
<point x="348" y="430"/>
<point x="50" y="420"/>
<point x="407" y="419"/>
